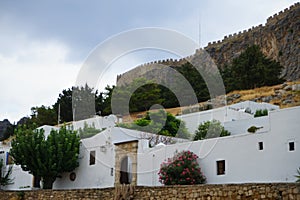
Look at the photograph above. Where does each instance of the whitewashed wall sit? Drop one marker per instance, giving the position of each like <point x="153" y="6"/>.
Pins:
<point x="102" y="174"/>
<point x="193" y="120"/>
<point x="241" y="126"/>
<point x="25" y="182"/>
<point x="233" y="112"/>
<point x="98" y="121"/>
<point x="244" y="161"/>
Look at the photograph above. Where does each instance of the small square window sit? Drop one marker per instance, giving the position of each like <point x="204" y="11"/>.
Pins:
<point x="291" y="146"/>
<point x="220" y="167"/>
<point x="260" y="146"/>
<point x="92" y="157"/>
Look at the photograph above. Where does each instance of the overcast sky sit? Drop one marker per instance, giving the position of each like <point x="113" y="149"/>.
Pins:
<point x="43" y="44"/>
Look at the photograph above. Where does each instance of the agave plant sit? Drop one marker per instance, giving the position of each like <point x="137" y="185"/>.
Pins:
<point x="298" y="176"/>
<point x="5" y="180"/>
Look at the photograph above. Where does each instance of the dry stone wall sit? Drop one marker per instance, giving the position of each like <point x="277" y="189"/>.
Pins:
<point x="284" y="191"/>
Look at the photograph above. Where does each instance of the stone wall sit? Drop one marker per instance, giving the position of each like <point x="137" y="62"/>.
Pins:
<point x="221" y="192"/>
<point x="278" y="39"/>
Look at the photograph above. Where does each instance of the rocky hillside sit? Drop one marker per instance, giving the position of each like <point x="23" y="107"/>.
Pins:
<point x="284" y="95"/>
<point x="3" y="127"/>
<point x="278" y="40"/>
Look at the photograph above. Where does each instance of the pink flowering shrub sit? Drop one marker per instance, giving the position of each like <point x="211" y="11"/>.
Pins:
<point x="182" y="169"/>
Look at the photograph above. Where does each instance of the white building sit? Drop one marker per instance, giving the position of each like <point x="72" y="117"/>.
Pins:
<point x="120" y="155"/>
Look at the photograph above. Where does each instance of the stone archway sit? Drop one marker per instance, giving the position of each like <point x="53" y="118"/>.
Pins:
<point x="126" y="163"/>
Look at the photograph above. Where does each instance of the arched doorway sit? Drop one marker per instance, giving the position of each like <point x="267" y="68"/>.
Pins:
<point x="126" y="171"/>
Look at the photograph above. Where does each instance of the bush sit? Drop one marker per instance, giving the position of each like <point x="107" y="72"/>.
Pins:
<point x="182" y="169"/>
<point x="298" y="176"/>
<point x="161" y="123"/>
<point x="260" y="113"/>
<point x="213" y="128"/>
<point x="88" y="131"/>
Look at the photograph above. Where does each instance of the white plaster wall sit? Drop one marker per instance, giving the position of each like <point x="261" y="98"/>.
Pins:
<point x="23" y="183"/>
<point x="223" y="114"/>
<point x="18" y="183"/>
<point x="92" y="176"/>
<point x="241" y="126"/>
<point x="98" y="121"/>
<point x="48" y="129"/>
<point x="244" y="162"/>
<point x="99" y="175"/>
<point x="254" y="106"/>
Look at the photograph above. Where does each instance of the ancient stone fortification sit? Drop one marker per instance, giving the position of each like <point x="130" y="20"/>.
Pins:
<point x="197" y="192"/>
<point x="278" y="39"/>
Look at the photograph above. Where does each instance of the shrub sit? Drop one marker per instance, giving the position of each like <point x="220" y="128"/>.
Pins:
<point x="260" y="113"/>
<point x="182" y="169"/>
<point x="210" y="129"/>
<point x="88" y="131"/>
<point x="298" y="176"/>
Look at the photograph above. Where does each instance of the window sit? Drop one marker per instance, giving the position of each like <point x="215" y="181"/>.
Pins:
<point x="260" y="146"/>
<point x="291" y="146"/>
<point x="220" y="167"/>
<point x="92" y="157"/>
<point x="9" y="159"/>
<point x="73" y="176"/>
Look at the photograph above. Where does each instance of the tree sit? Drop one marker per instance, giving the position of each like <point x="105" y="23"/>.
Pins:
<point x="64" y="104"/>
<point x="107" y="100"/>
<point x="43" y="116"/>
<point x="182" y="169"/>
<point x="161" y="123"/>
<point x="210" y="129"/>
<point x="251" y="69"/>
<point x="84" y="101"/>
<point x="141" y="93"/>
<point x="47" y="157"/>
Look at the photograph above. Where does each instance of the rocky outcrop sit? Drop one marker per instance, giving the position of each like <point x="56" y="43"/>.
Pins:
<point x="3" y="127"/>
<point x="278" y="39"/>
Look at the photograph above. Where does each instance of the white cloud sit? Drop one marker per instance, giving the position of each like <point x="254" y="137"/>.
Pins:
<point x="33" y="75"/>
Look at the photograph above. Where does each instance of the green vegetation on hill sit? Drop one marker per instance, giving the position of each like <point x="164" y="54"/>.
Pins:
<point x="250" y="70"/>
<point x="160" y="123"/>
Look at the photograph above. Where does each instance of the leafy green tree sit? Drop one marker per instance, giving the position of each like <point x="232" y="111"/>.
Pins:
<point x="182" y="169"/>
<point x="141" y="93"/>
<point x="196" y="80"/>
<point x="47" y="157"/>
<point x="210" y="129"/>
<point x="64" y="104"/>
<point x="43" y="116"/>
<point x="84" y="101"/>
<point x="161" y="123"/>
<point x="251" y="69"/>
<point x="107" y="99"/>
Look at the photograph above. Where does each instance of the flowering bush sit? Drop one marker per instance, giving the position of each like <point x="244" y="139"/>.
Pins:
<point x="182" y="169"/>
